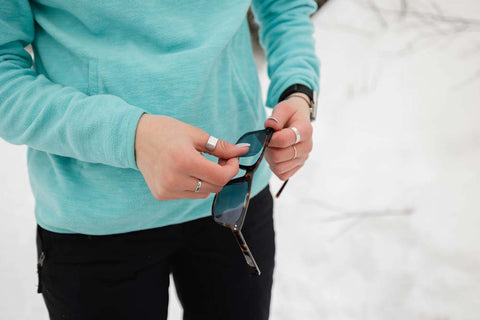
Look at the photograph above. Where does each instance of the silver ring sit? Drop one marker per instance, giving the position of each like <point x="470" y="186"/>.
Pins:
<point x="297" y="134"/>
<point x="295" y="153"/>
<point x="274" y="119"/>
<point x="199" y="185"/>
<point x="211" y="143"/>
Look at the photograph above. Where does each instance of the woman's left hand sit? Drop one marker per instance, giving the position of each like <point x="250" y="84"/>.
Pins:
<point x="284" y="156"/>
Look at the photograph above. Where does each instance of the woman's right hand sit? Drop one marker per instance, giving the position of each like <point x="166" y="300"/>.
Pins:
<point x="168" y="156"/>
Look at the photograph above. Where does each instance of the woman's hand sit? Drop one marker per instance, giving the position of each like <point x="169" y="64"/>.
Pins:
<point x="283" y="155"/>
<point x="168" y="156"/>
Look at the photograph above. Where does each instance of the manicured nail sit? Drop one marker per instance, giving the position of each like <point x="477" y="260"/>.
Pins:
<point x="273" y="118"/>
<point x="242" y="145"/>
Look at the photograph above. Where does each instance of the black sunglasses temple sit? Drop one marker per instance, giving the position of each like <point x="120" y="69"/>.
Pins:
<point x="252" y="265"/>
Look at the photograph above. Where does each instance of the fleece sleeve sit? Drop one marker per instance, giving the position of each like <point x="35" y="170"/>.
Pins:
<point x="52" y="118"/>
<point x="286" y="36"/>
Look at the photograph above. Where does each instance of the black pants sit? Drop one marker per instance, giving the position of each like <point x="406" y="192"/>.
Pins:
<point x="126" y="276"/>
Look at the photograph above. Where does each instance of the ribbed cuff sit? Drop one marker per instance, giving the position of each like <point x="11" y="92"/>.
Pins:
<point x="129" y="128"/>
<point x="277" y="89"/>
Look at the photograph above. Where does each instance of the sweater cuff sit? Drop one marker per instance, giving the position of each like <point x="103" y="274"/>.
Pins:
<point x="124" y="143"/>
<point x="276" y="90"/>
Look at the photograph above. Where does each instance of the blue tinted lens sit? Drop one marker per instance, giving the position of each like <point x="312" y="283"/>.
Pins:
<point x="230" y="202"/>
<point x="256" y="139"/>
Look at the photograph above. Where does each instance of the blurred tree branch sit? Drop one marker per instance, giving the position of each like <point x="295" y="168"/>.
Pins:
<point x="428" y="24"/>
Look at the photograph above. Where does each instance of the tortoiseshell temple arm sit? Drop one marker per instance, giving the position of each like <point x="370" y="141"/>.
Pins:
<point x="252" y="265"/>
<point x="281" y="189"/>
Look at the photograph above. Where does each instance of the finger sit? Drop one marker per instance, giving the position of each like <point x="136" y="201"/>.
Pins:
<point x="287" y="137"/>
<point x="182" y="195"/>
<point x="283" y="167"/>
<point x="287" y="175"/>
<point x="195" y="195"/>
<point x="277" y="155"/>
<point x="280" y="115"/>
<point x="179" y="182"/>
<point x="211" y="172"/>
<point x="190" y="184"/>
<point x="223" y="149"/>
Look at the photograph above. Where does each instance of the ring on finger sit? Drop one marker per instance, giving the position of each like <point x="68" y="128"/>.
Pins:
<point x="211" y="143"/>
<point x="199" y="185"/>
<point x="295" y="154"/>
<point x="297" y="134"/>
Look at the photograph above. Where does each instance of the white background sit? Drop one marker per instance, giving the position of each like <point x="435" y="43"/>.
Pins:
<point x="383" y="222"/>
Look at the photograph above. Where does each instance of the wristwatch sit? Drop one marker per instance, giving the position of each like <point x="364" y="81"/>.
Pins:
<point x="307" y="91"/>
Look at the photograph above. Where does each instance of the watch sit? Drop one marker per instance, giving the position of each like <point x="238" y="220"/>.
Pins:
<point x="308" y="92"/>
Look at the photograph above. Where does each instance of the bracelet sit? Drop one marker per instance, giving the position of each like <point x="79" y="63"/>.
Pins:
<point x="301" y="97"/>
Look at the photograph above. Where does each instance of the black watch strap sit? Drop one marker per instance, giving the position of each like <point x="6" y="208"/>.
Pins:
<point x="297" y="88"/>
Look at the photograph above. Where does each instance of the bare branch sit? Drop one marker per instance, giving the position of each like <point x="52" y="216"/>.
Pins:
<point x="341" y="214"/>
<point x="370" y="214"/>
<point x="468" y="81"/>
<point x="381" y="19"/>
<point x="432" y="16"/>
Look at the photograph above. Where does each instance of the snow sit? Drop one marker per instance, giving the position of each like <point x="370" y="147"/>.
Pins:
<point x="382" y="223"/>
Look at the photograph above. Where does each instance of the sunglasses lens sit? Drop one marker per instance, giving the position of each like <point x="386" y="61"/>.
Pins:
<point x="229" y="203"/>
<point x="256" y="140"/>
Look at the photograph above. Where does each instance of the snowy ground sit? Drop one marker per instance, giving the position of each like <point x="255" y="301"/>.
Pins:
<point x="383" y="221"/>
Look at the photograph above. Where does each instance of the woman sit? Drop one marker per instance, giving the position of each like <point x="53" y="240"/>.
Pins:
<point x="122" y="100"/>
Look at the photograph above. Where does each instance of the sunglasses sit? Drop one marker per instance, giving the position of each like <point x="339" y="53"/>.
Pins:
<point x="231" y="203"/>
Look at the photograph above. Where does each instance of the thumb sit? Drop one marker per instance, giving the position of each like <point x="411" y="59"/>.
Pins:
<point x="223" y="149"/>
<point x="281" y="114"/>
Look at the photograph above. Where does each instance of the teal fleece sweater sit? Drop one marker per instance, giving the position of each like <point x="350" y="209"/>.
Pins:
<point x="100" y="64"/>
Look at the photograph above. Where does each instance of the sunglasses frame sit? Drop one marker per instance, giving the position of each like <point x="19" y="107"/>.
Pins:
<point x="237" y="226"/>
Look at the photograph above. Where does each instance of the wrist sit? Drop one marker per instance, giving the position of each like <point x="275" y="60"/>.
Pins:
<point x="300" y="91"/>
<point x="301" y="102"/>
<point x="299" y="96"/>
<point x="139" y="133"/>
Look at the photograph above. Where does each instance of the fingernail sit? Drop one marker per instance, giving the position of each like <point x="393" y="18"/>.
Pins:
<point x="273" y="118"/>
<point x="242" y="145"/>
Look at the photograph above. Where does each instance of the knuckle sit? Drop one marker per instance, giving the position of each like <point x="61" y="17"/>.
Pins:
<point x="196" y="133"/>
<point x="273" y="166"/>
<point x="268" y="155"/>
<point x="309" y="146"/>
<point x="221" y="144"/>
<point x="176" y="154"/>
<point x="283" y="140"/>
<point x="181" y="157"/>
<point x="224" y="180"/>
<point x="233" y="174"/>
<point x="168" y="180"/>
<point x="282" y="168"/>
<point x="282" y="176"/>
<point x="160" y="194"/>
<point x="276" y="156"/>
<point x="181" y="161"/>
<point x="289" y="106"/>
<point x="220" y="180"/>
<point x="309" y="129"/>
